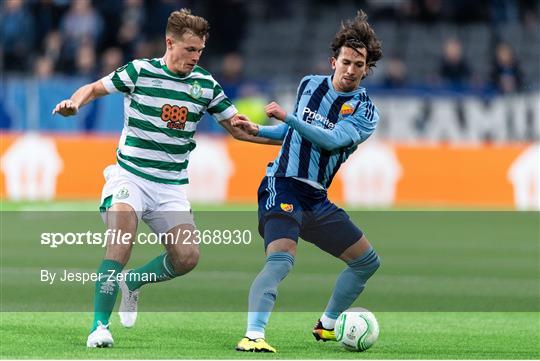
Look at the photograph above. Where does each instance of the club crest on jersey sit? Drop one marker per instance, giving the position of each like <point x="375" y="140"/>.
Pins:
<point x="287" y="207"/>
<point x="196" y="90"/>
<point x="346" y="109"/>
<point x="123" y="193"/>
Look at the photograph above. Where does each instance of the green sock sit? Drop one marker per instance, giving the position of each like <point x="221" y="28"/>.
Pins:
<point x="105" y="292"/>
<point x="157" y="270"/>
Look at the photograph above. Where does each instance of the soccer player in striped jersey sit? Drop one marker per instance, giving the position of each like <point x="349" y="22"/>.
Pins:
<point x="333" y="116"/>
<point x="164" y="98"/>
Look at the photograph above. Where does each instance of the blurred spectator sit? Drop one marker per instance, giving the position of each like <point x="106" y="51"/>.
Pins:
<point x="128" y="38"/>
<point x="111" y="60"/>
<point x="16" y="34"/>
<point x="454" y="70"/>
<point x="110" y="13"/>
<point x="504" y="11"/>
<point x="158" y="11"/>
<point x="129" y="33"/>
<point x="133" y="11"/>
<point x="148" y="49"/>
<point x="249" y="96"/>
<point x="53" y="46"/>
<point x="530" y="13"/>
<point x="43" y="37"/>
<point x="506" y="73"/>
<point x="43" y="67"/>
<point x="395" y="76"/>
<point x="230" y="77"/>
<point x="81" y="25"/>
<point x="47" y="14"/>
<point x="86" y="61"/>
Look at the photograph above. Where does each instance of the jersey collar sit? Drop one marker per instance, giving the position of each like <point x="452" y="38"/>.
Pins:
<point x="169" y="72"/>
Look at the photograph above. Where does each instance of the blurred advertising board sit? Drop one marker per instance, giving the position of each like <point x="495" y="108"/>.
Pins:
<point x="379" y="174"/>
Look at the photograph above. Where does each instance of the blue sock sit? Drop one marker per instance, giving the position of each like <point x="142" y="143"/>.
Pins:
<point x="351" y="282"/>
<point x="263" y="291"/>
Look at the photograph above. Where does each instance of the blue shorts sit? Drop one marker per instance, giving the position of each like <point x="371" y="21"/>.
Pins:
<point x="289" y="208"/>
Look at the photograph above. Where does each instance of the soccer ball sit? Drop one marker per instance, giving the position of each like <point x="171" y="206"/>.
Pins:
<point x="357" y="329"/>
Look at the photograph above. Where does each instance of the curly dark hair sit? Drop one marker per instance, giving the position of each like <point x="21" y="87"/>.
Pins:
<point x="357" y="33"/>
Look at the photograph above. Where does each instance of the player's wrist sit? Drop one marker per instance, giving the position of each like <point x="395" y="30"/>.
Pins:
<point x="74" y="104"/>
<point x="289" y="118"/>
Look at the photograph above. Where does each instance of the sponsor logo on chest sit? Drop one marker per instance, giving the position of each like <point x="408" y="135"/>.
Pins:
<point x="312" y="116"/>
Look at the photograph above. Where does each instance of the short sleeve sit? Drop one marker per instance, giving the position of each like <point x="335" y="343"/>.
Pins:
<point x="221" y="107"/>
<point x="122" y="79"/>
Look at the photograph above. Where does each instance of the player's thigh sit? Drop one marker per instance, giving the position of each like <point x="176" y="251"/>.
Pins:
<point x="356" y="250"/>
<point x="334" y="233"/>
<point x="169" y="208"/>
<point x="172" y="220"/>
<point x="121" y="207"/>
<point x="280" y="215"/>
<point x="121" y="189"/>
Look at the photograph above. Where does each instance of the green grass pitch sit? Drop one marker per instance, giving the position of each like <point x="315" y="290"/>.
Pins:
<point x="213" y="336"/>
<point x="453" y="285"/>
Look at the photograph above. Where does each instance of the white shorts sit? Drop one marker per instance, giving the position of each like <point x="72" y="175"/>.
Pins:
<point x="161" y="206"/>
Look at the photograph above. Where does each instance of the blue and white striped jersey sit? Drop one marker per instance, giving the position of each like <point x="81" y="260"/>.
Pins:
<point x="321" y="106"/>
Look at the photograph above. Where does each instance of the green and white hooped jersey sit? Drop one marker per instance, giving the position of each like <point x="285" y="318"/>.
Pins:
<point x="161" y="112"/>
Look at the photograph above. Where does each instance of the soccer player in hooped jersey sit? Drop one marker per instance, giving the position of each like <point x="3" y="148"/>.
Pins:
<point x="333" y="116"/>
<point x="164" y="98"/>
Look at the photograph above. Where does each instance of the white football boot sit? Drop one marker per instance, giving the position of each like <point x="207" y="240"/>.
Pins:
<point x="128" y="305"/>
<point x="100" y="337"/>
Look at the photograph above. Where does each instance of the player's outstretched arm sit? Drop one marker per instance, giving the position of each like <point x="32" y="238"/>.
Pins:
<point x="343" y="135"/>
<point x="241" y="128"/>
<point x="275" y="132"/>
<point x="82" y="96"/>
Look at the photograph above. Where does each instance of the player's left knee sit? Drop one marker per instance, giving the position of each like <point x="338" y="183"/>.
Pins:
<point x="367" y="264"/>
<point x="375" y="264"/>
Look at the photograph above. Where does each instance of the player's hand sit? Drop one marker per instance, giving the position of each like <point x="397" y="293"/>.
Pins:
<point x="66" y="108"/>
<point x="274" y="110"/>
<point x="242" y="122"/>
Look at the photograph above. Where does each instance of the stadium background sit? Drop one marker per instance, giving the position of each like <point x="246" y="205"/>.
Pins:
<point x="458" y="91"/>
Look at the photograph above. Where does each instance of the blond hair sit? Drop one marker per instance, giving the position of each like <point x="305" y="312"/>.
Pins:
<point x="182" y="21"/>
